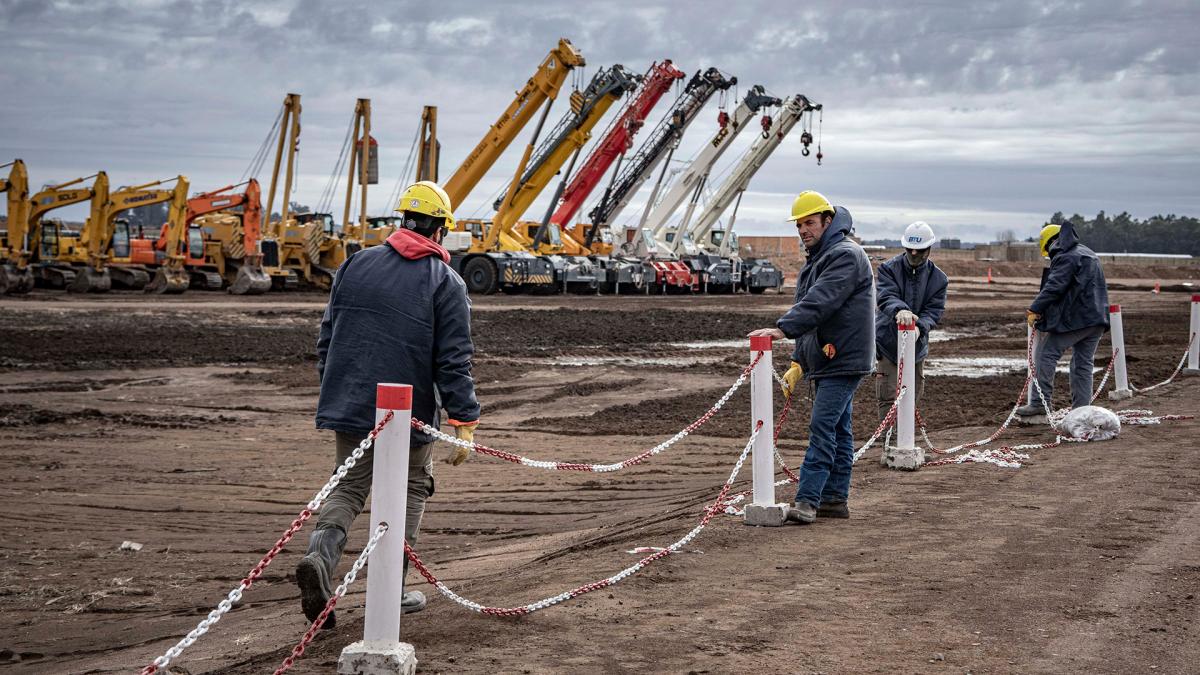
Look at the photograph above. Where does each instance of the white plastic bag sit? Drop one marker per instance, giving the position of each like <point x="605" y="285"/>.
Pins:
<point x="1091" y="423"/>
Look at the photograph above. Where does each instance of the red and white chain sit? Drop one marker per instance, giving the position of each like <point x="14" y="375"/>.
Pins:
<point x="597" y="468"/>
<point x="1173" y="375"/>
<point x="338" y="592"/>
<point x="709" y="511"/>
<point x="236" y="594"/>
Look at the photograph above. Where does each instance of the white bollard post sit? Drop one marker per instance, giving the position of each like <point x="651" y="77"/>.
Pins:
<point x="381" y="652"/>
<point x="763" y="510"/>
<point x="1121" y="388"/>
<point x="1193" y="365"/>
<point x="905" y="454"/>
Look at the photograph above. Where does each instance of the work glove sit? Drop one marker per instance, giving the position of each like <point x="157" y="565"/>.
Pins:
<point x="905" y="317"/>
<point x="829" y="350"/>
<point x="790" y="378"/>
<point x="463" y="431"/>
<point x="1031" y="317"/>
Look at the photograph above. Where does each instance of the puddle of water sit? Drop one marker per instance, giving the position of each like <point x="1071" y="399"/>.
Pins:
<point x="713" y="344"/>
<point x="632" y="361"/>
<point x="982" y="366"/>
<point x="939" y="335"/>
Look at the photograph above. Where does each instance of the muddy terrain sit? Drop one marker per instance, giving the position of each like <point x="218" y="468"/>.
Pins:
<point x="185" y="426"/>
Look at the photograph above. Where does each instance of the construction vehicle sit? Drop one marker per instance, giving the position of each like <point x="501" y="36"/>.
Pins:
<point x="104" y="260"/>
<point x="655" y="250"/>
<point x="15" y="274"/>
<point x="523" y="256"/>
<point x="428" y="154"/>
<point x="213" y="247"/>
<point x="712" y="253"/>
<point x="543" y="86"/>
<point x="50" y="239"/>
<point x="286" y="250"/>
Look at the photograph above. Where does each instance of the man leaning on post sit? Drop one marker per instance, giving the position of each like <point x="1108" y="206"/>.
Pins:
<point x="831" y="321"/>
<point x="396" y="313"/>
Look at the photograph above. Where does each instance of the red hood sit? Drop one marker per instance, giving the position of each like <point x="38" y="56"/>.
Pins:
<point x="413" y="246"/>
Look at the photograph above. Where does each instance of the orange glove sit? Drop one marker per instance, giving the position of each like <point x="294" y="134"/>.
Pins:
<point x="463" y="431"/>
<point x="1031" y="317"/>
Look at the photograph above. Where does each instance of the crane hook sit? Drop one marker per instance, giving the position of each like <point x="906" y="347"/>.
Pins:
<point x="766" y="126"/>
<point x="722" y="119"/>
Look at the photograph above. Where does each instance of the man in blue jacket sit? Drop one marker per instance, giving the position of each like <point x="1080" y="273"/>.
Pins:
<point x="909" y="289"/>
<point x="831" y="322"/>
<point x="1071" y="312"/>
<point x="396" y="313"/>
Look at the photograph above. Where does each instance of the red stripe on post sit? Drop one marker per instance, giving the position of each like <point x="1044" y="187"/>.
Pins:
<point x="1196" y="298"/>
<point x="393" y="396"/>
<point x="908" y="326"/>
<point x="1114" y="309"/>
<point x="761" y="343"/>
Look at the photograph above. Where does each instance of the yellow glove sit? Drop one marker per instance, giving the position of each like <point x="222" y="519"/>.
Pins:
<point x="1031" y="317"/>
<point x="790" y="378"/>
<point x="463" y="431"/>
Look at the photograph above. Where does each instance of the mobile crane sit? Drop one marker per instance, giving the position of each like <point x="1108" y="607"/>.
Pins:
<point x="286" y="249"/>
<point x="711" y="252"/>
<point x="15" y="273"/>
<point x="529" y="254"/>
<point x="629" y="178"/>
<point x="613" y="145"/>
<point x="653" y="244"/>
<point x="50" y="239"/>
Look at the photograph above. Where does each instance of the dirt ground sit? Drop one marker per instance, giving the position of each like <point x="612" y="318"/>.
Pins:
<point x="185" y="425"/>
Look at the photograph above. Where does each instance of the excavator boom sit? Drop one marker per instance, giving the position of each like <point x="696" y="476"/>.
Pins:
<point x="15" y="275"/>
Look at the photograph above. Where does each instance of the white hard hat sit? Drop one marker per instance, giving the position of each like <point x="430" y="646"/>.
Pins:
<point x="918" y="235"/>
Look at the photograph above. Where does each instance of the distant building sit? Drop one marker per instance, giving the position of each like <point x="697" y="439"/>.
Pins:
<point x="952" y="244"/>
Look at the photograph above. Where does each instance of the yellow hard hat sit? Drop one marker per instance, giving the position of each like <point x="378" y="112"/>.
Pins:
<point x="1048" y="232"/>
<point x="429" y="198"/>
<point x="808" y="203"/>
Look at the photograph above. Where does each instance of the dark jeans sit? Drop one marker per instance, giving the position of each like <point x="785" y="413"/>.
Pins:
<point x="1082" y="344"/>
<point x="349" y="498"/>
<point x="825" y="474"/>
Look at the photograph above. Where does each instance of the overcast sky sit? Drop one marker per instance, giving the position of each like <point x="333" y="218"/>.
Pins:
<point x="976" y="117"/>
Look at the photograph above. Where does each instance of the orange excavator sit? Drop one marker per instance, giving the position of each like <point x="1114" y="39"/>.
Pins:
<point x="213" y="245"/>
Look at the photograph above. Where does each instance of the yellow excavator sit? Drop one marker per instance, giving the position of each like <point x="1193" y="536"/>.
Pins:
<point x="51" y="239"/>
<point x="15" y="274"/>
<point x="103" y="262"/>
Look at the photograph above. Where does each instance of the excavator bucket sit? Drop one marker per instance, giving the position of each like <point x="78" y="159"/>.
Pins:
<point x="129" y="278"/>
<point x="89" y="280"/>
<point x="250" y="280"/>
<point x="14" y="281"/>
<point x="168" y="280"/>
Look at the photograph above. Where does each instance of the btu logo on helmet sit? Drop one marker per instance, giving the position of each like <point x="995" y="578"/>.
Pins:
<point x="913" y="239"/>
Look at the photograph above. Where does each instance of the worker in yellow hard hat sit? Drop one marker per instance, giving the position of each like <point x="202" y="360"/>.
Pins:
<point x="1070" y="312"/>
<point x="832" y="322"/>
<point x="396" y="313"/>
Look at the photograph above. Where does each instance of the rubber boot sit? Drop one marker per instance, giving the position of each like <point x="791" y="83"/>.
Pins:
<point x="314" y="574"/>
<point x="412" y="601"/>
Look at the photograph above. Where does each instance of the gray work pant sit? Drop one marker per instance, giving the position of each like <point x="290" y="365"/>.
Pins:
<point x="1082" y="343"/>
<point x="349" y="498"/>
<point x="885" y="384"/>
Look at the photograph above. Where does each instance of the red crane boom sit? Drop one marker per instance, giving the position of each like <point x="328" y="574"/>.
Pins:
<point x="616" y="141"/>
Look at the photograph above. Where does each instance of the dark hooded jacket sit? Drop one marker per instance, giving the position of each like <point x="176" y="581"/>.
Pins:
<point x="920" y="290"/>
<point x="397" y="313"/>
<point x="834" y="305"/>
<point x="1074" y="294"/>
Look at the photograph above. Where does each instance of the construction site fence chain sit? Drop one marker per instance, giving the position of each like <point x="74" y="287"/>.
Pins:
<point x="235" y="595"/>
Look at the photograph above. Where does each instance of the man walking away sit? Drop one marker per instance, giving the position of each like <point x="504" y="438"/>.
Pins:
<point x="396" y="313"/>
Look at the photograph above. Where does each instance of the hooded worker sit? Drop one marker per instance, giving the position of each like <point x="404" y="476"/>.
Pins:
<point x="396" y="313"/>
<point x="909" y="290"/>
<point x="830" y="321"/>
<point x="1070" y="311"/>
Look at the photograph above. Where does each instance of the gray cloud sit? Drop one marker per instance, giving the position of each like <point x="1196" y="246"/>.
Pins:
<point x="979" y="113"/>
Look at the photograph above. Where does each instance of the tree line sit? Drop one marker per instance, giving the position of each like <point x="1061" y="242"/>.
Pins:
<point x="1125" y="234"/>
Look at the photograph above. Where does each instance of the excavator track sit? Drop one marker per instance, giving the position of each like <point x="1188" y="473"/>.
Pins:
<point x="14" y="281"/>
<point x="129" y="278"/>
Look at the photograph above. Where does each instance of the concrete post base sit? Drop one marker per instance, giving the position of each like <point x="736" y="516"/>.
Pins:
<point x="1119" y="394"/>
<point x="1191" y="371"/>
<point x="1032" y="420"/>
<point x="769" y="515"/>
<point x="382" y="657"/>
<point x="905" y="459"/>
